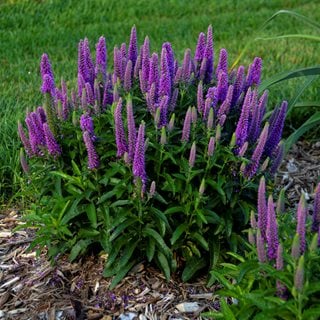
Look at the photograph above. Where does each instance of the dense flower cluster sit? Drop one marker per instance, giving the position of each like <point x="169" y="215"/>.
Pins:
<point x="224" y="99"/>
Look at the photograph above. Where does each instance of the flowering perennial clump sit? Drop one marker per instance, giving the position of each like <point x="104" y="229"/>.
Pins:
<point x="273" y="243"/>
<point x="193" y="133"/>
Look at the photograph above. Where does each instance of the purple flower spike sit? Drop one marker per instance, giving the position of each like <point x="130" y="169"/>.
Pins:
<point x="243" y="122"/>
<point x="101" y="60"/>
<point x="89" y="66"/>
<point x="89" y="94"/>
<point x="252" y="167"/>
<point x="45" y="67"/>
<point x="93" y="158"/>
<point x="137" y="67"/>
<point x="276" y="128"/>
<point x="186" y="66"/>
<point x="163" y="111"/>
<point x="154" y="71"/>
<point x="145" y="67"/>
<point x="203" y="69"/>
<point x="222" y="87"/>
<point x="170" y="59"/>
<point x="132" y="132"/>
<point x="262" y="208"/>
<point x="127" y="77"/>
<point x="165" y="79"/>
<point x="86" y="124"/>
<point x="272" y="230"/>
<point x="194" y="115"/>
<point x="48" y="85"/>
<point x="117" y="63"/>
<point x="25" y="141"/>
<point x="200" y="49"/>
<point x="192" y="156"/>
<point x="52" y="145"/>
<point x="207" y="107"/>
<point x="256" y="71"/>
<point x="223" y="62"/>
<point x="301" y="222"/>
<point x="277" y="157"/>
<point x="225" y="107"/>
<point x="139" y="169"/>
<point x="208" y="55"/>
<point x="211" y="145"/>
<point x="238" y="85"/>
<point x="42" y="114"/>
<point x="186" y="126"/>
<point x="121" y="142"/>
<point x="260" y="248"/>
<point x="316" y="210"/>
<point x="133" y="46"/>
<point x="200" y="101"/>
<point x="174" y="98"/>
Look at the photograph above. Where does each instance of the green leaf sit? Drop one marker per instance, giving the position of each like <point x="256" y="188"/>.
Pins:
<point x="310" y="71"/>
<point x="92" y="215"/>
<point x="75" y="168"/>
<point x="121" y="227"/>
<point x="164" y="265"/>
<point x="121" y="274"/>
<point x="159" y="214"/>
<point x="120" y="203"/>
<point x="127" y="253"/>
<point x="150" y="249"/>
<point x="159" y="197"/>
<point x="192" y="266"/>
<point x="79" y="248"/>
<point x="312" y="122"/>
<point x="74" y="180"/>
<point x="115" y="250"/>
<point x="156" y="236"/>
<point x="72" y="212"/>
<point x="201" y="240"/>
<point x="174" y="210"/>
<point x="107" y="196"/>
<point x="178" y="232"/>
<point x="226" y="310"/>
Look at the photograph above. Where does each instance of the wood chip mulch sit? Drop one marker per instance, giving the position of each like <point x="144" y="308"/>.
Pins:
<point x="32" y="288"/>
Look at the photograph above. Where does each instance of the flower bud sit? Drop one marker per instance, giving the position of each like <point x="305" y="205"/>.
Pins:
<point x="233" y="141"/>
<point x="218" y="133"/>
<point x="157" y="117"/>
<point x="210" y="119"/>
<point x="281" y="202"/>
<point x="299" y="275"/>
<point x="211" y="146"/>
<point x="192" y="156"/>
<point x="251" y="237"/>
<point x="202" y="187"/>
<point x="265" y="164"/>
<point x="194" y="116"/>
<point x="152" y="189"/>
<point x="171" y="122"/>
<point x="295" y="248"/>
<point x="163" y="138"/>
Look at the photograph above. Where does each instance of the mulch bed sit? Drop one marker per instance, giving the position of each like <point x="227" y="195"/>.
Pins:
<point x="32" y="288"/>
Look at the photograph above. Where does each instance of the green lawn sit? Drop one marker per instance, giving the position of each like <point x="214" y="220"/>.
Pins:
<point x="29" y="28"/>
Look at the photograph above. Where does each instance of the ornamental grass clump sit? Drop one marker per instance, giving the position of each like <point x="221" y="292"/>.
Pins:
<point x="154" y="160"/>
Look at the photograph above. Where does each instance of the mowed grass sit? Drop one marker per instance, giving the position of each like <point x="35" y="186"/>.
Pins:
<point x="29" y="28"/>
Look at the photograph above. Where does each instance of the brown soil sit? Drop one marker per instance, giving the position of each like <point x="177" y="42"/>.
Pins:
<point x="32" y="288"/>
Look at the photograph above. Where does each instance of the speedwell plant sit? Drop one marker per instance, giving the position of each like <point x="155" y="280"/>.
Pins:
<point x="156" y="160"/>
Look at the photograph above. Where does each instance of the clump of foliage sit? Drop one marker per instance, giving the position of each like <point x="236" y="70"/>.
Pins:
<point x="279" y="278"/>
<point x="153" y="161"/>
